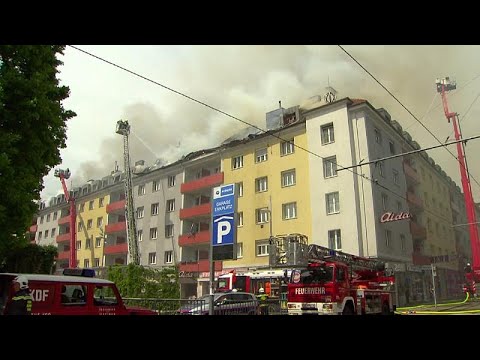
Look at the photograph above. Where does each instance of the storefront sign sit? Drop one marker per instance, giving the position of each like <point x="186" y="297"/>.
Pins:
<point x="390" y="216"/>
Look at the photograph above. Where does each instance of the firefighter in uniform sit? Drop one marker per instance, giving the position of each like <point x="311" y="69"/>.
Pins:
<point x="22" y="300"/>
<point x="262" y="298"/>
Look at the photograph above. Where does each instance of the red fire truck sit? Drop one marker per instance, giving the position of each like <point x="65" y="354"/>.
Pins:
<point x="270" y="280"/>
<point x="335" y="283"/>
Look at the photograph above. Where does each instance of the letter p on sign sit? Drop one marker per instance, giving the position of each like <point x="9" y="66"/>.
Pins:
<point x="223" y="228"/>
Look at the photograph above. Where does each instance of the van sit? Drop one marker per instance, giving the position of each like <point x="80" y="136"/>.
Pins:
<point x="76" y="292"/>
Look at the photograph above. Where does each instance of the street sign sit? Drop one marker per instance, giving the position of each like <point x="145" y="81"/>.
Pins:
<point x="223" y="223"/>
<point x="223" y="227"/>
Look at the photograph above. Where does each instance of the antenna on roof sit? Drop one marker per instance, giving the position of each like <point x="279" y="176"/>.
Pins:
<point x="279" y="104"/>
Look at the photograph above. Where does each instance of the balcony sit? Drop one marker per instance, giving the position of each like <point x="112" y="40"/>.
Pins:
<point x="200" y="266"/>
<point x="414" y="201"/>
<point x="116" y="249"/>
<point x="420" y="259"/>
<point x="64" y="255"/>
<point x="117" y="207"/>
<point x="418" y="231"/>
<point x="63" y="237"/>
<point x="199" y="210"/>
<point x="33" y="228"/>
<point x="116" y="227"/>
<point x="64" y="220"/>
<point x="202" y="237"/>
<point x="411" y="174"/>
<point x="202" y="183"/>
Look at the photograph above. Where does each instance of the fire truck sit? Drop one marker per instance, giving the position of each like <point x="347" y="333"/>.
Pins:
<point x="323" y="281"/>
<point x="271" y="280"/>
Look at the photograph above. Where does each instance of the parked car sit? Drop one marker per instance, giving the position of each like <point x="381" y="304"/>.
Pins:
<point x="231" y="303"/>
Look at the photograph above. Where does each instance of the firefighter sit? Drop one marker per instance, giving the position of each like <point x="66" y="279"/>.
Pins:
<point x="22" y="300"/>
<point x="263" y="299"/>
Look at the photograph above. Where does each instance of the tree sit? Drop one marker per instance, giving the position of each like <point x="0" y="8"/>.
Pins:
<point x="31" y="259"/>
<point x="32" y="132"/>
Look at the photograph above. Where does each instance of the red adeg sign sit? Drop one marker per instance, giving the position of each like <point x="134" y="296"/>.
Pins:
<point x="390" y="216"/>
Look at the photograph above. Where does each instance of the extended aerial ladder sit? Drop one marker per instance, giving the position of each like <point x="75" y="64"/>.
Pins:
<point x="473" y="271"/>
<point x="123" y="128"/>
<point x="65" y="174"/>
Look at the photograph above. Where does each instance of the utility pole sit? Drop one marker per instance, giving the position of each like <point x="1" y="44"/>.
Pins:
<point x="443" y="86"/>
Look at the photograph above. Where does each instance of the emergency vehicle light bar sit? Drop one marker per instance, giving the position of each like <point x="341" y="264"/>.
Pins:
<point x="79" y="272"/>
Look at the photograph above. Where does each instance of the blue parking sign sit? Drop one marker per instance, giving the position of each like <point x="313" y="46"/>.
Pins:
<point x="223" y="230"/>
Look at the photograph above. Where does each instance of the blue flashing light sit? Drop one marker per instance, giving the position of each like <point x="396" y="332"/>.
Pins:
<point x="79" y="272"/>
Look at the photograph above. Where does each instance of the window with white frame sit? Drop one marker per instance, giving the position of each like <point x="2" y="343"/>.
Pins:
<point x="99" y="222"/>
<point x="140" y="212"/>
<point x="90" y="205"/>
<point x="171" y="181"/>
<point x="88" y="243"/>
<point x="287" y="147"/>
<point x="239" y="250"/>
<point x="388" y="238"/>
<point x="55" y="215"/>
<point x="403" y="243"/>
<point x="46" y="234"/>
<point x="261" y="248"/>
<point x="82" y="207"/>
<point x="140" y="235"/>
<point x="392" y="148"/>
<point x="261" y="155"/>
<point x="48" y="217"/>
<point x="335" y="239"/>
<point x="237" y="162"/>
<point x="156" y="185"/>
<point x="41" y="220"/>
<point x="168" y="257"/>
<point x="240" y="189"/>
<point x="96" y="262"/>
<point x="261" y="184"/>
<point x="53" y="232"/>
<point x="170" y="205"/>
<point x="141" y="190"/>
<point x="330" y="167"/>
<point x="153" y="233"/>
<point x="240" y="218"/>
<point x="155" y="209"/>
<point x="288" y="178"/>
<point x="395" y="177"/>
<point x="98" y="242"/>
<point x="327" y="133"/>
<point x="378" y="136"/>
<point x="384" y="202"/>
<point x="168" y="230"/>
<point x="152" y="258"/>
<point x="86" y="263"/>
<point x="333" y="203"/>
<point x="78" y="245"/>
<point x="89" y="224"/>
<point x="262" y="215"/>
<point x="40" y="235"/>
<point x="289" y="211"/>
<point x="101" y="202"/>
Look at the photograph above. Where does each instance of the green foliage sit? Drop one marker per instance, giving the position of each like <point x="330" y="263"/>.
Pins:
<point x="32" y="132"/>
<point x="136" y="281"/>
<point x="31" y="259"/>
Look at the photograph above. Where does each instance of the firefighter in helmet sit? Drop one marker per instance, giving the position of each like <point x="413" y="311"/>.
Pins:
<point x="263" y="299"/>
<point x="21" y="301"/>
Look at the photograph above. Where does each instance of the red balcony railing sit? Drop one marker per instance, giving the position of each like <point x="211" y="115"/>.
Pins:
<point x="414" y="200"/>
<point x="116" y="249"/>
<point x="204" y="209"/>
<point x="200" y="266"/>
<point x="34" y="228"/>
<point x="116" y="207"/>
<point x="116" y="227"/>
<point x="64" y="220"/>
<point x="410" y="173"/>
<point x="202" y="183"/>
<point x="63" y="237"/>
<point x="202" y="237"/>
<point x="418" y="231"/>
<point x="64" y="255"/>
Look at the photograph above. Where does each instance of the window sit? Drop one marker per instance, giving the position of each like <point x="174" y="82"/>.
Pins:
<point x="82" y="207"/>
<point x="141" y="190"/>
<point x="96" y="262"/>
<point x="88" y="243"/>
<point x="155" y="185"/>
<point x="78" y="245"/>
<point x="392" y="148"/>
<point x="168" y="257"/>
<point x="237" y="162"/>
<point x="262" y="215"/>
<point x="384" y="202"/>
<point x="388" y="238"/>
<point x="240" y="218"/>
<point x="171" y="181"/>
<point x="98" y="242"/>
<point x="55" y="215"/>
<point x="170" y="205"/>
<point x="239" y="250"/>
<point x="333" y="203"/>
<point x="381" y="169"/>
<point x="287" y="147"/>
<point x="140" y="212"/>
<point x="425" y="198"/>
<point x="153" y="233"/>
<point x="86" y="263"/>
<point x="40" y="235"/>
<point x="403" y="243"/>
<point x="261" y="248"/>
<point x="168" y="230"/>
<point x="378" y="136"/>
<point x="240" y="189"/>
<point x="155" y="209"/>
<point x="261" y="184"/>
<point x="335" y="239"/>
<point x="395" y="177"/>
<point x="53" y="232"/>
<point x="330" y="167"/>
<point x="41" y="220"/>
<point x="48" y="217"/>
<point x="74" y="295"/>
<point x="80" y="227"/>
<point x="89" y="224"/>
<point x="46" y="234"/>
<point x="399" y="206"/>
<point x="99" y="222"/>
<point x="289" y="211"/>
<point x="152" y="258"/>
<point x="90" y="205"/>
<point x="261" y="155"/>
<point x="101" y="202"/>
<point x="288" y="178"/>
<point x="327" y="133"/>
<point x="140" y="235"/>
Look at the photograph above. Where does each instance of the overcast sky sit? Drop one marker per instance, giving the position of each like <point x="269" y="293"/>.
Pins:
<point x="248" y="81"/>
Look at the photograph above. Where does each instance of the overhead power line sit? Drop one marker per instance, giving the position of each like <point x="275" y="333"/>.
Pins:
<point x="247" y="123"/>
